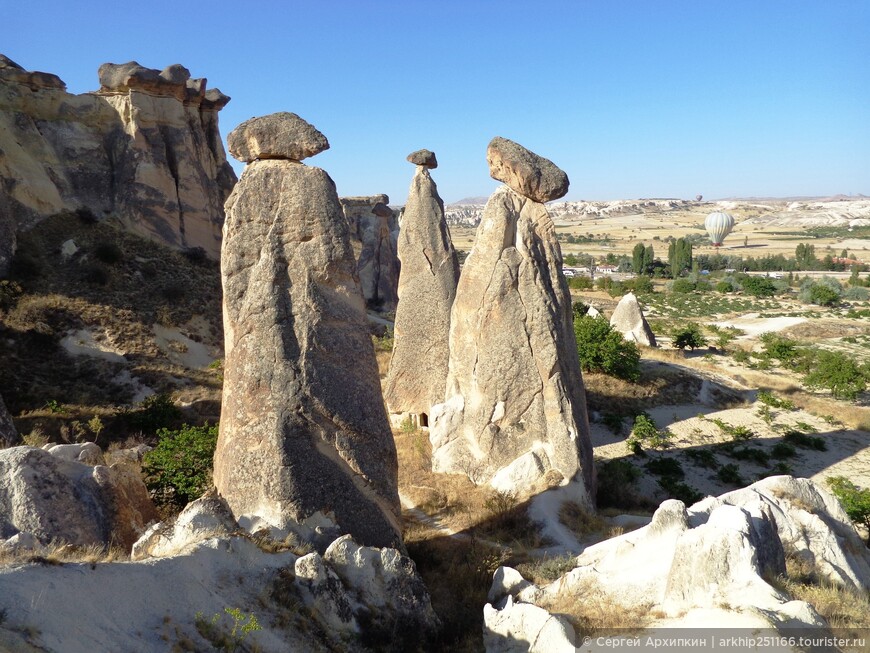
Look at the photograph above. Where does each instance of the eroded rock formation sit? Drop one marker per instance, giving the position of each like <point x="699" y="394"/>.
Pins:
<point x="144" y="149"/>
<point x="514" y="413"/>
<point x="628" y="319"/>
<point x="709" y="564"/>
<point x="427" y="287"/>
<point x="304" y="440"/>
<point x="51" y="497"/>
<point x="374" y="231"/>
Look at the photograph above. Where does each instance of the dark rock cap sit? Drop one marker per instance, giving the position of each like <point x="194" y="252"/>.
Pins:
<point x="425" y="158"/>
<point x="280" y="135"/>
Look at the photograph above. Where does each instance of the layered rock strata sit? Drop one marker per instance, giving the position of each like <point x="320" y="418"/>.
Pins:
<point x="514" y="413"/>
<point x="427" y="287"/>
<point x="374" y="232"/>
<point x="144" y="149"/>
<point x="629" y="320"/>
<point x="304" y="440"/>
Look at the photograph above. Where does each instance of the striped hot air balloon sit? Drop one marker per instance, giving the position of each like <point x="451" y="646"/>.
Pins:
<point x="718" y="225"/>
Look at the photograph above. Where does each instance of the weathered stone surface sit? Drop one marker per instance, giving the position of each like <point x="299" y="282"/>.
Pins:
<point x="530" y="175"/>
<point x="207" y="517"/>
<point x="304" y="441"/>
<point x="85" y="452"/>
<point x="425" y="158"/>
<point x="808" y="521"/>
<point x="427" y="287"/>
<point x="280" y="135"/>
<point x="711" y="564"/>
<point x="148" y="153"/>
<point x="374" y="231"/>
<point x="56" y="499"/>
<point x="514" y="393"/>
<point x="628" y="319"/>
<point x="526" y="628"/>
<point x="8" y="432"/>
<point x="12" y="72"/>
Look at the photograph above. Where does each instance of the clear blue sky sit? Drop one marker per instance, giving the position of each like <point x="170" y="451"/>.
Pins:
<point x="641" y="98"/>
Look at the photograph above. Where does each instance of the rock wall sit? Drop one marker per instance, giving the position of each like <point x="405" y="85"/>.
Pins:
<point x="374" y="232"/>
<point x="8" y="433"/>
<point x="144" y="149"/>
<point x="304" y="442"/>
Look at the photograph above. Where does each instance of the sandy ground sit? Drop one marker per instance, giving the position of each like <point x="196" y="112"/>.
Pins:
<point x="753" y="325"/>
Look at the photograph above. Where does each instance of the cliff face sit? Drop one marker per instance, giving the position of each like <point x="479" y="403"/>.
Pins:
<point x="144" y="149"/>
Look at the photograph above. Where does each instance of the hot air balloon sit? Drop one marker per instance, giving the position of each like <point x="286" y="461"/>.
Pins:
<point x="718" y="225"/>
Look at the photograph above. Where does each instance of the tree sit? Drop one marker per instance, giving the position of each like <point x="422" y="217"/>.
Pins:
<point x="637" y="258"/>
<point x="855" y="500"/>
<point x="679" y="256"/>
<point x="805" y="257"/>
<point x="603" y="349"/>
<point x="688" y="336"/>
<point x="648" y="258"/>
<point x="178" y="470"/>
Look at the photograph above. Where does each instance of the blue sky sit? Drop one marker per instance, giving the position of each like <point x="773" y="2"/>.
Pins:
<point x="640" y="98"/>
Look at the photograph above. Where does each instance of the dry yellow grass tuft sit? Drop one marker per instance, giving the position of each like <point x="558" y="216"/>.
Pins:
<point x="58" y="553"/>
<point x="592" y="611"/>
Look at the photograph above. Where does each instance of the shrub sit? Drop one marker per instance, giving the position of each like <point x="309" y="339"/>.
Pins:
<point x="108" y="253"/>
<point x="773" y="401"/>
<point x="95" y="274"/>
<point x="779" y="347"/>
<point x="730" y="474"/>
<point x="617" y="481"/>
<point x="822" y="292"/>
<point x="154" y="412"/>
<point x="782" y="450"/>
<point x="855" y="500"/>
<point x="682" y="286"/>
<point x="857" y="294"/>
<point x="805" y="441"/>
<point x="580" y="282"/>
<point x="758" y="286"/>
<point x="688" y="336"/>
<point x="385" y="342"/>
<point x="724" y="287"/>
<point x="703" y="457"/>
<point x="178" y="470"/>
<point x="645" y="433"/>
<point x="839" y="373"/>
<point x="665" y="467"/>
<point x="676" y="489"/>
<point x="603" y="349"/>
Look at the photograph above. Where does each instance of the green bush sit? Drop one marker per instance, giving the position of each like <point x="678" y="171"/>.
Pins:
<point x="688" y="336"/>
<point x="617" y="483"/>
<point x="730" y="474"/>
<point x="758" y="286"/>
<point x="724" y="287"/>
<point x="645" y="433"/>
<point x="769" y="399"/>
<point x="178" y="470"/>
<point x="580" y="282"/>
<point x="822" y="292"/>
<point x="856" y="294"/>
<point x="603" y="349"/>
<point x="779" y="347"/>
<point x="839" y="373"/>
<point x="154" y="412"/>
<point x="682" y="286"/>
<point x="855" y="500"/>
<point x="665" y="467"/>
<point x="676" y="489"/>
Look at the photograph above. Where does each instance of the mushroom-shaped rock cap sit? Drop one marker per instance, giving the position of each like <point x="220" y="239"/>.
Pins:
<point x="524" y="171"/>
<point x="382" y="210"/>
<point x="276" y="136"/>
<point x="425" y="158"/>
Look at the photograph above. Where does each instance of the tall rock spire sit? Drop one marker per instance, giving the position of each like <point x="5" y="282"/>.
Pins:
<point x="514" y="413"/>
<point x="427" y="287"/>
<point x="304" y="442"/>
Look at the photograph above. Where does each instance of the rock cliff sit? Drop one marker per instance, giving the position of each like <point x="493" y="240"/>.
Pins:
<point x="144" y="149"/>
<point x="374" y="231"/>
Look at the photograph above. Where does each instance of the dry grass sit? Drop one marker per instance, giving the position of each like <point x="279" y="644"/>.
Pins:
<point x="58" y="553"/>
<point x="841" y="607"/>
<point x="592" y="611"/>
